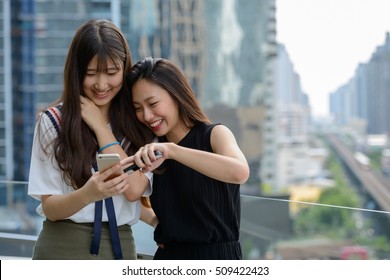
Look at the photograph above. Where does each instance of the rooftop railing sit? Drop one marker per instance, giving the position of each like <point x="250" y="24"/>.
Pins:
<point x="272" y="227"/>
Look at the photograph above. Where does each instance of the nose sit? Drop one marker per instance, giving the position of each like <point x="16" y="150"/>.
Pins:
<point x="148" y="114"/>
<point x="101" y="82"/>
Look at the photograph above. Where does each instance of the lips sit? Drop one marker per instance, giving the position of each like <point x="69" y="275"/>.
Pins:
<point x="154" y="125"/>
<point x="102" y="94"/>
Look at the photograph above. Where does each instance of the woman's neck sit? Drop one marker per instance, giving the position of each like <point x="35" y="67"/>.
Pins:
<point x="177" y="135"/>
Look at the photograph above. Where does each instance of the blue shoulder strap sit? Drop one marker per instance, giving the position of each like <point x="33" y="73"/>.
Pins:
<point x="97" y="225"/>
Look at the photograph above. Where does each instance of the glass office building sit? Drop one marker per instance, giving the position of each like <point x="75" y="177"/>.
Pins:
<point x="192" y="33"/>
<point x="34" y="42"/>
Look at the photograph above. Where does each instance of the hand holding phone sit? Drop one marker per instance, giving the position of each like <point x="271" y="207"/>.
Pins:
<point x="135" y="167"/>
<point x="105" y="161"/>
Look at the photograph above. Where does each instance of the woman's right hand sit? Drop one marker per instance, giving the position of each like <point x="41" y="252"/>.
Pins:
<point x="146" y="157"/>
<point x="100" y="186"/>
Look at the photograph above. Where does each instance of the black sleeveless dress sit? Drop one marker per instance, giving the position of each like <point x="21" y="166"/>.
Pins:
<point x="199" y="216"/>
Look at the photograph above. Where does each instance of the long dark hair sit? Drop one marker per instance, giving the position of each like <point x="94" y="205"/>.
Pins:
<point x="76" y="145"/>
<point x="168" y="76"/>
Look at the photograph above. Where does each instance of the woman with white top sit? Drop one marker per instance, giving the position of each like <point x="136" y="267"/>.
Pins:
<point x="88" y="215"/>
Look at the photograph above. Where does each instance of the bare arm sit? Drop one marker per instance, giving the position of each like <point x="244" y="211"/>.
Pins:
<point x="138" y="182"/>
<point x="227" y="163"/>
<point x="148" y="216"/>
<point x="59" y="207"/>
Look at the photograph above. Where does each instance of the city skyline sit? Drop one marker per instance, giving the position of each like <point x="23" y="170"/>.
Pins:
<point x="326" y="52"/>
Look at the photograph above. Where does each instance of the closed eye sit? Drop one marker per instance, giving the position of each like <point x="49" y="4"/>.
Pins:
<point x="112" y="73"/>
<point x="138" y="109"/>
<point x="90" y="74"/>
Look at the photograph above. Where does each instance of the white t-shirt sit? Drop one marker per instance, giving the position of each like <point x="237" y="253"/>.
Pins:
<point x="45" y="179"/>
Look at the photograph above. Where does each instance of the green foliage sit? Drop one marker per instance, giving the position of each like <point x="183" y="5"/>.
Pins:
<point x="327" y="218"/>
<point x="332" y="218"/>
<point x="375" y="157"/>
<point x="266" y="188"/>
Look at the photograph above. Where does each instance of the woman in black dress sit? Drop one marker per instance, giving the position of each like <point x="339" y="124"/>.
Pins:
<point x="196" y="195"/>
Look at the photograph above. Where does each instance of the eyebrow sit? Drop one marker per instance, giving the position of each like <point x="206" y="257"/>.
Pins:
<point x="107" y="69"/>
<point x="146" y="100"/>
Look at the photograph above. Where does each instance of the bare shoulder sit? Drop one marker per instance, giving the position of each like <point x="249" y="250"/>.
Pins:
<point x="221" y="131"/>
<point x="222" y="135"/>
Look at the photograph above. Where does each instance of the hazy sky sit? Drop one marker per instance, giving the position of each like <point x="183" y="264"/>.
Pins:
<point x="327" y="39"/>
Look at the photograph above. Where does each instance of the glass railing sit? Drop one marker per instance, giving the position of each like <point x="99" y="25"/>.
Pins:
<point x="271" y="228"/>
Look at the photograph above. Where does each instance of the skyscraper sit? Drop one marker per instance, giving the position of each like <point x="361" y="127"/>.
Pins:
<point x="36" y="37"/>
<point x="225" y="52"/>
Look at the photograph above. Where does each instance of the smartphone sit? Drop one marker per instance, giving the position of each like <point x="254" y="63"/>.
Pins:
<point x="105" y="161"/>
<point x="134" y="167"/>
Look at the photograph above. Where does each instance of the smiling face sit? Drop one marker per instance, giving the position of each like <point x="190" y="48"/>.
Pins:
<point x="155" y="108"/>
<point x="102" y="86"/>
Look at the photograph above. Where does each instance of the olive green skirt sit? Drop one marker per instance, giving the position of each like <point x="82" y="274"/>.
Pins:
<point x="67" y="240"/>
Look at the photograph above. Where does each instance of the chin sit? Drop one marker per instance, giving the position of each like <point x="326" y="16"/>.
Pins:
<point x="158" y="133"/>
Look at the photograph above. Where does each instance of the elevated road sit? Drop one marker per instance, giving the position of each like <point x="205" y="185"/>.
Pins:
<point x="376" y="185"/>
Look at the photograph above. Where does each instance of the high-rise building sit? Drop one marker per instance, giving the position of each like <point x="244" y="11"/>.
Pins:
<point x="34" y="42"/>
<point x="239" y="74"/>
<point x="40" y="35"/>
<point x="365" y="97"/>
<point x="171" y="29"/>
<point x="6" y="108"/>
<point x="211" y="41"/>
